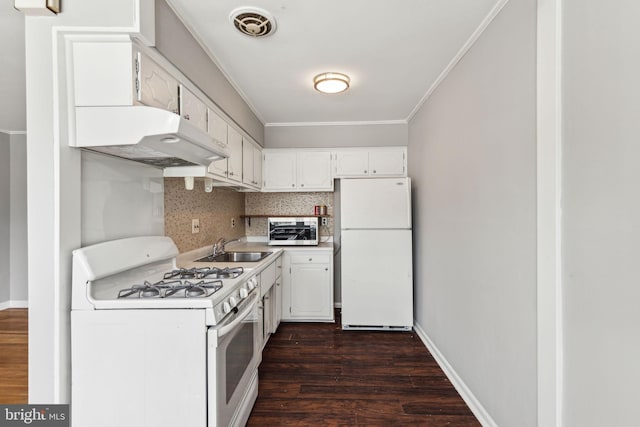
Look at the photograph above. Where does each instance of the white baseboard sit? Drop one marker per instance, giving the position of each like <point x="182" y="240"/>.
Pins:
<point x="13" y="304"/>
<point x="474" y="404"/>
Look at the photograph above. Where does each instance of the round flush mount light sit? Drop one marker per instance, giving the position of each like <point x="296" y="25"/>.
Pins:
<point x="331" y="82"/>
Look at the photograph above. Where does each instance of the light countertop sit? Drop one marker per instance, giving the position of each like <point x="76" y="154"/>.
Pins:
<point x="187" y="259"/>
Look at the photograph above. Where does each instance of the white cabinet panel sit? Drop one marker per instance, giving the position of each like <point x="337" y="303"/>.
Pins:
<point x="247" y="163"/>
<point x="307" y="286"/>
<point x="352" y="163"/>
<point x="156" y="87"/>
<point x="314" y="170"/>
<point x="234" y="141"/>
<point x="279" y="170"/>
<point x="257" y="167"/>
<point x="297" y="170"/>
<point x="193" y="109"/>
<point x="371" y="162"/>
<point x="387" y="162"/>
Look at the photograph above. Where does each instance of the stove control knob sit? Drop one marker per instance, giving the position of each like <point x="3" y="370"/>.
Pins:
<point x="226" y="307"/>
<point x="244" y="293"/>
<point x="233" y="301"/>
<point x="251" y="284"/>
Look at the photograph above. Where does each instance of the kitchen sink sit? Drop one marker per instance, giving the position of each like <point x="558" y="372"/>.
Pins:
<point x="236" y="257"/>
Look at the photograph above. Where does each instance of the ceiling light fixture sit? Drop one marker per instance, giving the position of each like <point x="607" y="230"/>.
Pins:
<point x="331" y="82"/>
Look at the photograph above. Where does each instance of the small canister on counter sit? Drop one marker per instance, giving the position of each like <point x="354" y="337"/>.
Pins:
<point x="316" y="210"/>
<point x="323" y="210"/>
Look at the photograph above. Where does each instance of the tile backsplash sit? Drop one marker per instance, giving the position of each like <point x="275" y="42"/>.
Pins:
<point x="294" y="204"/>
<point x="215" y="211"/>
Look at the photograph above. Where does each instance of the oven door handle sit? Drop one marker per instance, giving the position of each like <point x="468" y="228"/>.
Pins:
<point x="224" y="330"/>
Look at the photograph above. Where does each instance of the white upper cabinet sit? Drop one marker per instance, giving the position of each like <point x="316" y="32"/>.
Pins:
<point x="314" y="171"/>
<point x="154" y="86"/>
<point x="388" y="162"/>
<point x="297" y="170"/>
<point x="193" y="109"/>
<point x="234" y="162"/>
<point x="257" y="166"/>
<point x="251" y="164"/>
<point x="279" y="170"/>
<point x="352" y="163"/>
<point x="371" y="162"/>
<point x="217" y="129"/>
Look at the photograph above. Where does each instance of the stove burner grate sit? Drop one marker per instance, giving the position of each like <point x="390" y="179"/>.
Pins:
<point x="205" y="272"/>
<point x="175" y="288"/>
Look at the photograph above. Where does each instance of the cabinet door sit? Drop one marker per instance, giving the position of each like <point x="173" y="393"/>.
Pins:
<point x="267" y="316"/>
<point x="217" y="129"/>
<point x="279" y="170"/>
<point x="314" y="170"/>
<point x="387" y="162"/>
<point x="247" y="163"/>
<point x="192" y="109"/>
<point x="257" y="167"/>
<point x="310" y="296"/>
<point x="156" y="88"/>
<point x="352" y="163"/>
<point x="234" y="142"/>
<point x="277" y="309"/>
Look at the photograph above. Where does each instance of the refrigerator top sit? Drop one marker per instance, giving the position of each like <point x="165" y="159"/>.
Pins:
<point x="378" y="203"/>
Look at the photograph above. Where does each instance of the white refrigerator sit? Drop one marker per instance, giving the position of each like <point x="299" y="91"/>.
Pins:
<point x="376" y="254"/>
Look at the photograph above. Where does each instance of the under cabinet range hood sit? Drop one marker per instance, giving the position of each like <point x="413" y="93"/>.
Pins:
<point x="148" y="135"/>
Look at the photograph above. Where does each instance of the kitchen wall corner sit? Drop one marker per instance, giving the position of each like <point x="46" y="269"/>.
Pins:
<point x="294" y="204"/>
<point x="214" y="211"/>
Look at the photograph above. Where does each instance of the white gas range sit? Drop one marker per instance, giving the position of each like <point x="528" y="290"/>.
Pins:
<point x="154" y="345"/>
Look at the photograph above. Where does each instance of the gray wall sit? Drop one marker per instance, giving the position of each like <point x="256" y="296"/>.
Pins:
<point x="362" y="135"/>
<point x="18" y="234"/>
<point x="5" y="214"/>
<point x="177" y="44"/>
<point x="472" y="158"/>
<point x="601" y="213"/>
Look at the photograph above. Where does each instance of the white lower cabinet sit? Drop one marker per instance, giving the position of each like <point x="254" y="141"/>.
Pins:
<point x="307" y="293"/>
<point x="271" y="298"/>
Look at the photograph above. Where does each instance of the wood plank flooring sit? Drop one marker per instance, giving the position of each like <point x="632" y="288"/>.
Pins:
<point x="13" y="356"/>
<point x="315" y="374"/>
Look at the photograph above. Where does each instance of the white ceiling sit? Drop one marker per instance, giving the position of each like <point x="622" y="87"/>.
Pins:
<point x="12" y="79"/>
<point x="394" y="52"/>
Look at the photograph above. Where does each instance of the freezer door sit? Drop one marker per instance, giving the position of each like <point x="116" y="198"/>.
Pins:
<point x="375" y="203"/>
<point x="377" y="279"/>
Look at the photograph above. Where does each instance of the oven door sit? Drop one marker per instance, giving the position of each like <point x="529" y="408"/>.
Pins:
<point x="233" y="358"/>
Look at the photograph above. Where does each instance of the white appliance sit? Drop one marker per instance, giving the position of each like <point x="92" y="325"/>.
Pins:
<point x="290" y="231"/>
<point x="376" y="254"/>
<point x="156" y="346"/>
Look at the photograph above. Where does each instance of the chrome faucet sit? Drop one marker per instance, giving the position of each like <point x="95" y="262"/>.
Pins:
<point x="218" y="246"/>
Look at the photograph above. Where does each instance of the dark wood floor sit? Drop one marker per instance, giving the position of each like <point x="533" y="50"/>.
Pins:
<point x="316" y="374"/>
<point x="13" y="356"/>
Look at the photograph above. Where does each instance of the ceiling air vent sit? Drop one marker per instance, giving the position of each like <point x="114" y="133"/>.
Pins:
<point x="253" y="22"/>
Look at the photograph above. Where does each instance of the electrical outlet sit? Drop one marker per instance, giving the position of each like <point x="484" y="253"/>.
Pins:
<point x="325" y="221"/>
<point x="233" y="223"/>
<point x="195" y="226"/>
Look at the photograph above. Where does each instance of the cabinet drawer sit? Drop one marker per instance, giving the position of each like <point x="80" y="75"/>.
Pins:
<point x="310" y="258"/>
<point x="267" y="278"/>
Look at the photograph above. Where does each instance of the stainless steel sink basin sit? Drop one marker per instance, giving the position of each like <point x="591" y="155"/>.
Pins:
<point x="236" y="257"/>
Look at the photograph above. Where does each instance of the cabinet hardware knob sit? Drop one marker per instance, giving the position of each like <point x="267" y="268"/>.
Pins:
<point x="374" y="171"/>
<point x="293" y="185"/>
<point x="231" y="173"/>
<point x="310" y="259"/>
<point x="326" y="269"/>
<point x="365" y="171"/>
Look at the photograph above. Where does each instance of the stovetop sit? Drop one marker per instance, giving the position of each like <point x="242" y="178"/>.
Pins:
<point x="183" y="283"/>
